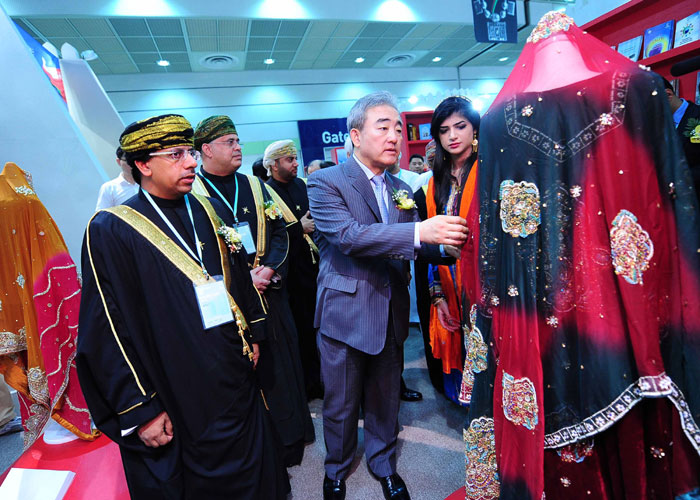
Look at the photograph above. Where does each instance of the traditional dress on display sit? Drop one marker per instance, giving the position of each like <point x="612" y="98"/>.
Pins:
<point x="584" y="317"/>
<point x="39" y="306"/>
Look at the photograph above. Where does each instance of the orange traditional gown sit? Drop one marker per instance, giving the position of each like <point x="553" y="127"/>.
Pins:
<point x="39" y="306"/>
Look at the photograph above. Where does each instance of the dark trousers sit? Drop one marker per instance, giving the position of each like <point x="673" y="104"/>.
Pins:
<point x="352" y="377"/>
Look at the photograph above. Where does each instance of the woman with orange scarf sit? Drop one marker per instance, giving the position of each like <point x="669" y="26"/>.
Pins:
<point x="454" y="126"/>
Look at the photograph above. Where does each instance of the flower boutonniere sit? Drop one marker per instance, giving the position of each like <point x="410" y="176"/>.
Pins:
<point x="272" y="211"/>
<point x="403" y="202"/>
<point x="231" y="237"/>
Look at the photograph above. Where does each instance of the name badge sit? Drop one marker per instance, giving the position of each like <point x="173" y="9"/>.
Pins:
<point x="243" y="229"/>
<point x="212" y="300"/>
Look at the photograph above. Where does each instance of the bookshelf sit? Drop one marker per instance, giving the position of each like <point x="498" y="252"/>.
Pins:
<point x="411" y="147"/>
<point x="631" y="19"/>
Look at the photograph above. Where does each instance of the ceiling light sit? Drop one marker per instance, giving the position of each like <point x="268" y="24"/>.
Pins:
<point x="413" y="99"/>
<point x="477" y="104"/>
<point x="163" y="63"/>
<point x="502" y="59"/>
<point x="269" y="61"/>
<point x="89" y="55"/>
<point x="437" y="59"/>
<point x="360" y="60"/>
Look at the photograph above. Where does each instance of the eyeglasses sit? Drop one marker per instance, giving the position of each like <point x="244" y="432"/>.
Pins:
<point x="178" y="154"/>
<point x="228" y="143"/>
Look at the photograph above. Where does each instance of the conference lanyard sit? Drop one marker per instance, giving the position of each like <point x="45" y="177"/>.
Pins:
<point x="197" y="245"/>
<point x="233" y="209"/>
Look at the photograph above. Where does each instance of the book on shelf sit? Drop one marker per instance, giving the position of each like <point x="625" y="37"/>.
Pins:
<point x="657" y="39"/>
<point x="424" y="129"/>
<point x="631" y="48"/>
<point x="687" y="30"/>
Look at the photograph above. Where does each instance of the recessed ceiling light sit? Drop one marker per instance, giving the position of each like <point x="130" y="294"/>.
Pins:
<point x="503" y="59"/>
<point x="360" y="60"/>
<point x="437" y="59"/>
<point x="269" y="61"/>
<point x="413" y="99"/>
<point x="163" y="63"/>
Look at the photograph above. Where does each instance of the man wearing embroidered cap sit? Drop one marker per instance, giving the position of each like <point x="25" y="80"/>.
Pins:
<point x="261" y="225"/>
<point x="169" y="328"/>
<point x="290" y="192"/>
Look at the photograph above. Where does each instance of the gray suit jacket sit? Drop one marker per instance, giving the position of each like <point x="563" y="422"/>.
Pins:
<point x="364" y="263"/>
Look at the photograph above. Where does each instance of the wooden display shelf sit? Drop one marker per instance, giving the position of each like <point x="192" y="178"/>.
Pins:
<point x="673" y="56"/>
<point x="420" y="142"/>
<point x="634" y="18"/>
<point x="412" y="147"/>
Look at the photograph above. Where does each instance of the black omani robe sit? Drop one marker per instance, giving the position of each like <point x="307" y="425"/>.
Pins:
<point x="301" y="280"/>
<point x="279" y="369"/>
<point x="142" y="350"/>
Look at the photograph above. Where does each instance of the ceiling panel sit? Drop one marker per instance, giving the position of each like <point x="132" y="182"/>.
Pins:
<point x="165" y="27"/>
<point x="232" y="44"/>
<point x="53" y="27"/>
<point x="133" y="44"/>
<point x="350" y="29"/>
<point x="201" y="27"/>
<point x="264" y="28"/>
<point x="123" y="68"/>
<point x="179" y="68"/>
<point x="125" y="26"/>
<point x="150" y="68"/>
<point x="89" y="27"/>
<point x="260" y="43"/>
<point x="79" y="43"/>
<point x="293" y="28"/>
<point x="104" y="45"/>
<point x="145" y="57"/>
<point x="203" y="44"/>
<point x="231" y="27"/>
<point x="116" y="58"/>
<point x="287" y="43"/>
<point x="176" y="57"/>
<point x="398" y="30"/>
<point x="139" y="44"/>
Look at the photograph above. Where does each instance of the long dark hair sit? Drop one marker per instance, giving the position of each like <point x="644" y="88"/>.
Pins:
<point x="442" y="172"/>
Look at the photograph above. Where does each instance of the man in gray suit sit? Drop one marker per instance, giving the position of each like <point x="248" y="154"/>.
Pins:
<point x="366" y="239"/>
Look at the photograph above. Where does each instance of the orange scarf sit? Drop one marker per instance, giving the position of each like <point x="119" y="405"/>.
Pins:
<point x="447" y="345"/>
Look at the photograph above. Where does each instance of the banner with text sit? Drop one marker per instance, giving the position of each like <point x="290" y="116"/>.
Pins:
<point x="323" y="139"/>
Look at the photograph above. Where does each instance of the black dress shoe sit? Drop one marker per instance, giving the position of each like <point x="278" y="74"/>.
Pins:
<point x="394" y="488"/>
<point x="410" y="395"/>
<point x="333" y="490"/>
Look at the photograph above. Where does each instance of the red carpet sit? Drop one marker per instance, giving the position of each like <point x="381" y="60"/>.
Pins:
<point x="457" y="495"/>
<point x="99" y="474"/>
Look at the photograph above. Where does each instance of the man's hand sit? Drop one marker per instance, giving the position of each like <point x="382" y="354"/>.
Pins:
<point x="308" y="223"/>
<point x="157" y="432"/>
<point x="453" y="251"/>
<point x="256" y="355"/>
<point x="443" y="230"/>
<point x="261" y="276"/>
<point x="447" y="321"/>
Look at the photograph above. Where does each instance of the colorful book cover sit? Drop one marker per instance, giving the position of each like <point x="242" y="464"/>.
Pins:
<point x="688" y="30"/>
<point x="631" y="48"/>
<point x="658" y="39"/>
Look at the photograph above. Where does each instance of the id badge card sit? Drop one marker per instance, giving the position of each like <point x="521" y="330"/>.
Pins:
<point x="212" y="300"/>
<point x="243" y="229"/>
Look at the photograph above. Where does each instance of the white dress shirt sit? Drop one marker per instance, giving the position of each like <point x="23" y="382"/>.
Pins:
<point x="115" y="192"/>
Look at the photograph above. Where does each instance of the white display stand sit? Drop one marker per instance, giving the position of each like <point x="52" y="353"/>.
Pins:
<point x="35" y="484"/>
